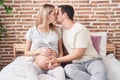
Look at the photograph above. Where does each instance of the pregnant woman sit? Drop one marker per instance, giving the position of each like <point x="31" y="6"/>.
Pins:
<point x="43" y="42"/>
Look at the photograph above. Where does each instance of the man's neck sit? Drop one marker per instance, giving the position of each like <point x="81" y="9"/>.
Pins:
<point x="68" y="24"/>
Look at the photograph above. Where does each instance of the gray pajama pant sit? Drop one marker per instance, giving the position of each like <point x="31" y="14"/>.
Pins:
<point x="34" y="71"/>
<point x="90" y="70"/>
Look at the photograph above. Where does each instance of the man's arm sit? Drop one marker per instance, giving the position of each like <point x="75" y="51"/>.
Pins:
<point x="77" y="53"/>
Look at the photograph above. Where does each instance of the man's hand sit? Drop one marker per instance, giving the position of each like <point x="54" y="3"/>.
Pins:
<point x="52" y="66"/>
<point x="53" y="63"/>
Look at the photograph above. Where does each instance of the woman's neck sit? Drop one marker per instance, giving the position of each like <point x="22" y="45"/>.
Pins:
<point x="43" y="28"/>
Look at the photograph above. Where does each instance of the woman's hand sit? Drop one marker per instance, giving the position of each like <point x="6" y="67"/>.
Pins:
<point x="45" y="51"/>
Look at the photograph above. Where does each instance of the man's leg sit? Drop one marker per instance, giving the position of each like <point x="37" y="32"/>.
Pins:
<point x="96" y="69"/>
<point x="76" y="72"/>
<point x="57" y="73"/>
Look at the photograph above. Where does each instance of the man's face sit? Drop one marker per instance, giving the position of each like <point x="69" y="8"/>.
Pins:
<point x="60" y="16"/>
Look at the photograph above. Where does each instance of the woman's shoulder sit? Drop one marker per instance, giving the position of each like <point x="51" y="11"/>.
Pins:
<point x="32" y="28"/>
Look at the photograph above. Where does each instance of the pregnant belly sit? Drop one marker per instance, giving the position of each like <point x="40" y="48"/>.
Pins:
<point x="41" y="61"/>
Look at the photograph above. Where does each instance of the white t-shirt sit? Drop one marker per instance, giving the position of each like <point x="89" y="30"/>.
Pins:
<point x="79" y="37"/>
<point x="40" y="39"/>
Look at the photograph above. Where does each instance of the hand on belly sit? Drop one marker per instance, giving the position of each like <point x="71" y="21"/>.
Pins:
<point x="41" y="60"/>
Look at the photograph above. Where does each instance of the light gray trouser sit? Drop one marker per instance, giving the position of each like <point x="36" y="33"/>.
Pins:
<point x="90" y="70"/>
<point x="33" y="73"/>
<point x="57" y="73"/>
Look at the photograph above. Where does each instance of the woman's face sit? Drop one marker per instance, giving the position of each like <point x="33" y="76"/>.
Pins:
<point x="52" y="16"/>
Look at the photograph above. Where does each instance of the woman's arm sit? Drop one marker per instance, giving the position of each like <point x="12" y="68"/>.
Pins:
<point x="60" y="51"/>
<point x="60" y="48"/>
<point x="39" y="51"/>
<point x="27" y="49"/>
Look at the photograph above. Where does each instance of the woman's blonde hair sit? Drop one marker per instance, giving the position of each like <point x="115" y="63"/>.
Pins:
<point x="43" y="16"/>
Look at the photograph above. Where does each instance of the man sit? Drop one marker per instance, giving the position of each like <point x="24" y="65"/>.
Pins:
<point x="86" y="63"/>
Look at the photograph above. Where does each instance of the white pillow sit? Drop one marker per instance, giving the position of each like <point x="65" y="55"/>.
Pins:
<point x="103" y="43"/>
<point x="112" y="66"/>
<point x="45" y="77"/>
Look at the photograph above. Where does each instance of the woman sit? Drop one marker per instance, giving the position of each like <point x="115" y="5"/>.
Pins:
<point x="42" y="42"/>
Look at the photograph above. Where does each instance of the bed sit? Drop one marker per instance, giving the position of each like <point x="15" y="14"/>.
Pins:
<point x="99" y="39"/>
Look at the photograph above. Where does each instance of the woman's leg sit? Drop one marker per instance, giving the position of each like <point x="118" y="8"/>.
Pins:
<point x="57" y="73"/>
<point x="76" y="72"/>
<point x="33" y="72"/>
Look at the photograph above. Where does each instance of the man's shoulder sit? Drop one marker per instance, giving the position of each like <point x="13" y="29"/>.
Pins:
<point x="79" y="25"/>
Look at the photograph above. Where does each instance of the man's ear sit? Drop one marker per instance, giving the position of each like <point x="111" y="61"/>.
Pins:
<point x="65" y="15"/>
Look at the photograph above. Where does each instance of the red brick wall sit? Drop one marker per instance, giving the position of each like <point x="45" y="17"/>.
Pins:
<point x="97" y="15"/>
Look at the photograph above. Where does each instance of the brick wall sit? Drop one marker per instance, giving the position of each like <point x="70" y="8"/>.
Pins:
<point x="97" y="15"/>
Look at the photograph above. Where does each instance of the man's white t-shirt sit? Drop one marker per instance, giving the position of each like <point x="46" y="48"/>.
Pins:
<point x="79" y="37"/>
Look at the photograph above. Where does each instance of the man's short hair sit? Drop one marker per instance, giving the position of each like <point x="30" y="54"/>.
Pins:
<point x="67" y="9"/>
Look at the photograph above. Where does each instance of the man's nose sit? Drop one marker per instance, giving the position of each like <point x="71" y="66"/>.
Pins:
<point x="55" y="16"/>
